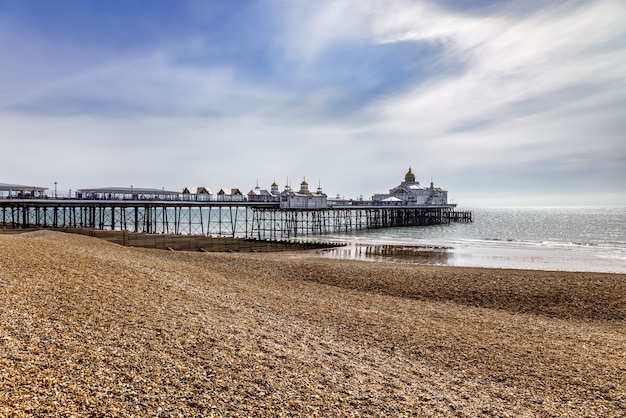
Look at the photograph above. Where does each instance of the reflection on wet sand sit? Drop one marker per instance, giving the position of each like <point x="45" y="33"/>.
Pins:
<point x="418" y="254"/>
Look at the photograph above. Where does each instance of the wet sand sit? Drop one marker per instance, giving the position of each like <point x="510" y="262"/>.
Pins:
<point x="93" y="328"/>
<point x="490" y="255"/>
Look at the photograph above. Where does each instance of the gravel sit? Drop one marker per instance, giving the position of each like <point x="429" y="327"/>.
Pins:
<point x="90" y="328"/>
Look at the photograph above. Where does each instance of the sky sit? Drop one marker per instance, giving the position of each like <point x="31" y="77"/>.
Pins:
<point x="500" y="102"/>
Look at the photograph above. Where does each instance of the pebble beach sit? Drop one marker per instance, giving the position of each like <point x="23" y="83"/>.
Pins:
<point x="92" y="328"/>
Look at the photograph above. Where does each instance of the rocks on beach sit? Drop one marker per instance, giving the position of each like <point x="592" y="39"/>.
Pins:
<point x="92" y="328"/>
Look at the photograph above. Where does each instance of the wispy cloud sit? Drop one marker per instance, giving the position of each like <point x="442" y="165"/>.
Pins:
<point x="510" y="63"/>
<point x="527" y="90"/>
<point x="484" y="99"/>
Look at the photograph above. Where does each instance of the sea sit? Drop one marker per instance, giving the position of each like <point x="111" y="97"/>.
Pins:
<point x="585" y="239"/>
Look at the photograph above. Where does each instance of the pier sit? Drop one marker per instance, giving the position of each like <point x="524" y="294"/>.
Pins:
<point x="244" y="219"/>
<point x="261" y="214"/>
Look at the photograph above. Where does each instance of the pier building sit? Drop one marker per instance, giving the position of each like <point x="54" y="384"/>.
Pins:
<point x="303" y="198"/>
<point x="230" y="195"/>
<point x="263" y="195"/>
<point x="197" y="193"/>
<point x="411" y="192"/>
<point x="126" y="193"/>
<point x="18" y="191"/>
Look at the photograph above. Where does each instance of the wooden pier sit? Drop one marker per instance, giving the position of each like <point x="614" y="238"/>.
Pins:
<point x="258" y="220"/>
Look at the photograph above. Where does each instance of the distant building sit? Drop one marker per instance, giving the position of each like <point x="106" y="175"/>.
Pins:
<point x="199" y="193"/>
<point x="304" y="198"/>
<point x="411" y="192"/>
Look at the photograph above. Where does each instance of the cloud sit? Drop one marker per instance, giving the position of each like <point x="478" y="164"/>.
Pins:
<point x="508" y="62"/>
<point x="527" y="88"/>
<point x="485" y="99"/>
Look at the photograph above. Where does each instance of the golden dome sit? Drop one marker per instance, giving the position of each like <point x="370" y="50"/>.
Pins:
<point x="409" y="175"/>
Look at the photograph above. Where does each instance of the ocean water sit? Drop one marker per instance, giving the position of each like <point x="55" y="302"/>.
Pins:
<point x="542" y="238"/>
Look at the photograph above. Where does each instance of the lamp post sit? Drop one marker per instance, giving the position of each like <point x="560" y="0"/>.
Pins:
<point x="55" y="189"/>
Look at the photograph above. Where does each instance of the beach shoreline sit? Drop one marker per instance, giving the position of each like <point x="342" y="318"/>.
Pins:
<point x="548" y="256"/>
<point x="89" y="327"/>
<point x="485" y="255"/>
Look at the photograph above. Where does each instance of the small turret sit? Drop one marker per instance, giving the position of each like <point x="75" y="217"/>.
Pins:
<point x="304" y="187"/>
<point x="274" y="189"/>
